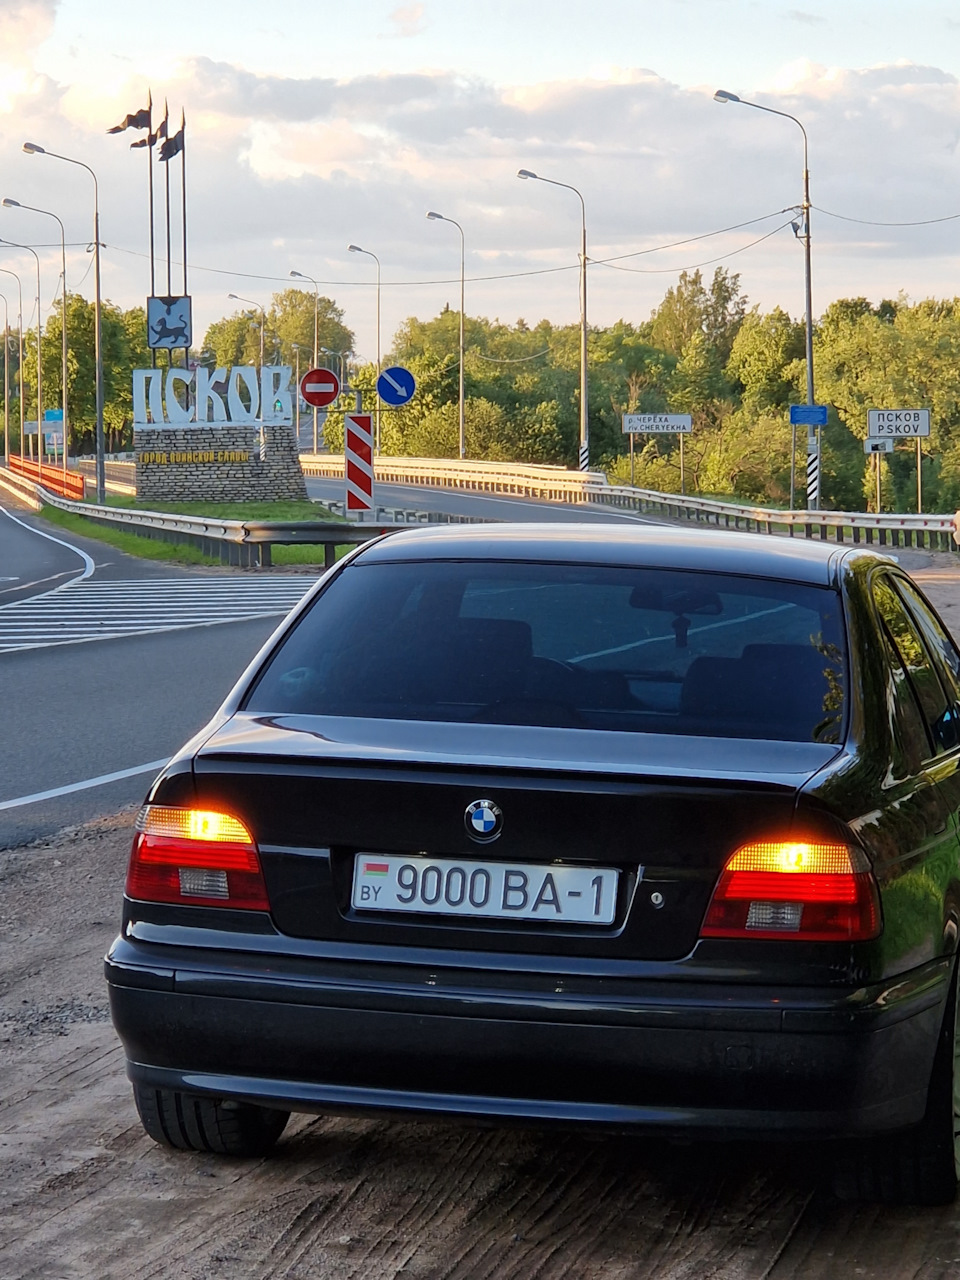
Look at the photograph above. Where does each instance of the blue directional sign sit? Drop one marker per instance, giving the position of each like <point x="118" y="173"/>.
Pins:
<point x="53" y="415"/>
<point x="396" y="386"/>
<point x="808" y="415"/>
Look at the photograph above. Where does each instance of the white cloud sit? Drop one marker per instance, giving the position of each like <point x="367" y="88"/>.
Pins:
<point x="407" y="20"/>
<point x="284" y="172"/>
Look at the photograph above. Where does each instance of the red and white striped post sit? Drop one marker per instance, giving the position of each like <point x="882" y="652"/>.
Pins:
<point x="358" y="460"/>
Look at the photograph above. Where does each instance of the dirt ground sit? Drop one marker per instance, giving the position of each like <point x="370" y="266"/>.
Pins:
<point x="86" y="1196"/>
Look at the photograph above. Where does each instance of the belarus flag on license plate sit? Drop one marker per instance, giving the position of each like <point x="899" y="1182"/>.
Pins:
<point x="376" y="868"/>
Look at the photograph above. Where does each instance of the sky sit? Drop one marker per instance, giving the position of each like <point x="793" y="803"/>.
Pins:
<point x="314" y="124"/>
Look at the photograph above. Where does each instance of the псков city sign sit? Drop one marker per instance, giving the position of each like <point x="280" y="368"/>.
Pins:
<point x="179" y="397"/>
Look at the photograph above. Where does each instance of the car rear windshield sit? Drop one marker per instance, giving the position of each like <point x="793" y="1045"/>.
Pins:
<point x="586" y="647"/>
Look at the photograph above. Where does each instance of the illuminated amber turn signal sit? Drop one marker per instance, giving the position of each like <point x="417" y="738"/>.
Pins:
<point x="809" y="890"/>
<point x="197" y="857"/>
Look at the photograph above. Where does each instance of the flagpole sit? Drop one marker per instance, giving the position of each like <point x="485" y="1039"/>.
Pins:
<point x="153" y="264"/>
<point x="166" y="117"/>
<point x="153" y="269"/>
<point x="183" y="201"/>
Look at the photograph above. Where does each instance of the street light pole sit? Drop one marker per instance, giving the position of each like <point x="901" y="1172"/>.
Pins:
<point x="813" y="499"/>
<point x="584" y="453"/>
<point x="355" y="248"/>
<point x="31" y="148"/>
<point x="15" y="204"/>
<point x="299" y="275"/>
<point x="235" y="297"/>
<point x="439" y="217"/>
<point x="26" y="248"/>
<point x="296" y="401"/>
<point x="7" y="272"/>
<point x="6" y="381"/>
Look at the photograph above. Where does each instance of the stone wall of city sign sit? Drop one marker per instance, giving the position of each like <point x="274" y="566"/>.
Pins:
<point x="219" y="435"/>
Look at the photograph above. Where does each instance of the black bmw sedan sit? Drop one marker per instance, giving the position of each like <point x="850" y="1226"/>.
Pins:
<point x="630" y="827"/>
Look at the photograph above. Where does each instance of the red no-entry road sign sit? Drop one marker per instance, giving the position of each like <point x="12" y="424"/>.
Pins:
<point x="320" y="387"/>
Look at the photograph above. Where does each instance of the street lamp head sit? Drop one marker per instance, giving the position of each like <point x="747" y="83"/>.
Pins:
<point x="722" y="96"/>
<point x="33" y="149"/>
<point x="297" y="275"/>
<point x="355" y="248"/>
<point x="233" y="297"/>
<point x="438" y="216"/>
<point x="10" y="204"/>
<point x="526" y="173"/>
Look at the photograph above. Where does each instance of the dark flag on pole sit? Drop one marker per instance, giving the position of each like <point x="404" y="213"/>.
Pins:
<point x="151" y="139"/>
<point x="136" y="120"/>
<point x="172" y="147"/>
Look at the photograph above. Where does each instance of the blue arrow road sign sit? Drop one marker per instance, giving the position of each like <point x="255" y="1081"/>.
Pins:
<point x="396" y="386"/>
<point x="808" y="415"/>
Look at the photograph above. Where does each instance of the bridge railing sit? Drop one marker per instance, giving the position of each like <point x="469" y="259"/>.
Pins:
<point x="556" y="484"/>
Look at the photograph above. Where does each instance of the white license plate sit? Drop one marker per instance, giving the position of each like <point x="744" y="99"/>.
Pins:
<point x="509" y="891"/>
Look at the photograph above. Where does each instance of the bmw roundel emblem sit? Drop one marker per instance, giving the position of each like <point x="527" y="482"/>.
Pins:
<point x="483" y="820"/>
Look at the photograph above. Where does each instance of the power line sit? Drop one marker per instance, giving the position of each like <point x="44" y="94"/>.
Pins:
<point x="869" y="222"/>
<point x="655" y="271"/>
<point x="737" y="226"/>
<point x="507" y="275"/>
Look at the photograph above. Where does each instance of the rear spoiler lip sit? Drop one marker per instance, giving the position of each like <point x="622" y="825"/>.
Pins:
<point x="247" y="741"/>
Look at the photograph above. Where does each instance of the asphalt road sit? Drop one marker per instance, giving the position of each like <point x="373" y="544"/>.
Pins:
<point x="76" y="712"/>
<point x="73" y="712"/>
<point x="484" y="506"/>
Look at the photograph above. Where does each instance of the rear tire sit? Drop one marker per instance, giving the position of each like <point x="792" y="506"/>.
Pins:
<point x="922" y="1164"/>
<point x="191" y="1123"/>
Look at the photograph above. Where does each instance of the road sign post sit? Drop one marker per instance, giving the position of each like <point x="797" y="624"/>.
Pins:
<point x="814" y="418"/>
<point x="396" y="386"/>
<point x="358" y="461"/>
<point x="320" y="387"/>
<point x="657" y="424"/>
<point x="899" y="424"/>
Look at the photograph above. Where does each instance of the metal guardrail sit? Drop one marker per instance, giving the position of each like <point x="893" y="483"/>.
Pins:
<point x="554" y="484"/>
<point x="886" y="529"/>
<point x="237" y="542"/>
<point x="558" y="485"/>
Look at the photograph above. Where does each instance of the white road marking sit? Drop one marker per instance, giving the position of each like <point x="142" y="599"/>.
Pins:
<point x="153" y="767"/>
<point x="88" y="564"/>
<point x="88" y="610"/>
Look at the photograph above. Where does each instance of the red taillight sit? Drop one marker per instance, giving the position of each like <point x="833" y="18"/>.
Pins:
<point x="196" y="857"/>
<point x="816" y="892"/>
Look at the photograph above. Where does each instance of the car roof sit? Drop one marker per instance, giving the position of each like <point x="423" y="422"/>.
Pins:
<point x="648" y="545"/>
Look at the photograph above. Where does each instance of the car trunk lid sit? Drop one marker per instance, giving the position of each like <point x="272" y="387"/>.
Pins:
<point x="665" y="812"/>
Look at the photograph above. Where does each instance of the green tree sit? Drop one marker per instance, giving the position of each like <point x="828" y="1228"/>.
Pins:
<point x="690" y="307"/>
<point x="235" y="339"/>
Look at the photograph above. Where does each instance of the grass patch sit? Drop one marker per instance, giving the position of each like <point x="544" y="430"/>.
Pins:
<point x="131" y="543"/>
<point x="290" y="510"/>
<point x="304" y="554"/>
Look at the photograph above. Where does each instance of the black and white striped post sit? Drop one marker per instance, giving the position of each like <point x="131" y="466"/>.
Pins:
<point x="813" y="417"/>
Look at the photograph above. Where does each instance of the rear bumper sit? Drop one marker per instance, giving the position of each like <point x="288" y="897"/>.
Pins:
<point x="733" y="1062"/>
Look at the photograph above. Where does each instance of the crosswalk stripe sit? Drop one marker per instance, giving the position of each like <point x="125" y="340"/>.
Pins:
<point x="88" y="610"/>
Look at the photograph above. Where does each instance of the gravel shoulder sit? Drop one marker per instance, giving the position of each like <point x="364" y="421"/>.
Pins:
<point x="88" y="1197"/>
